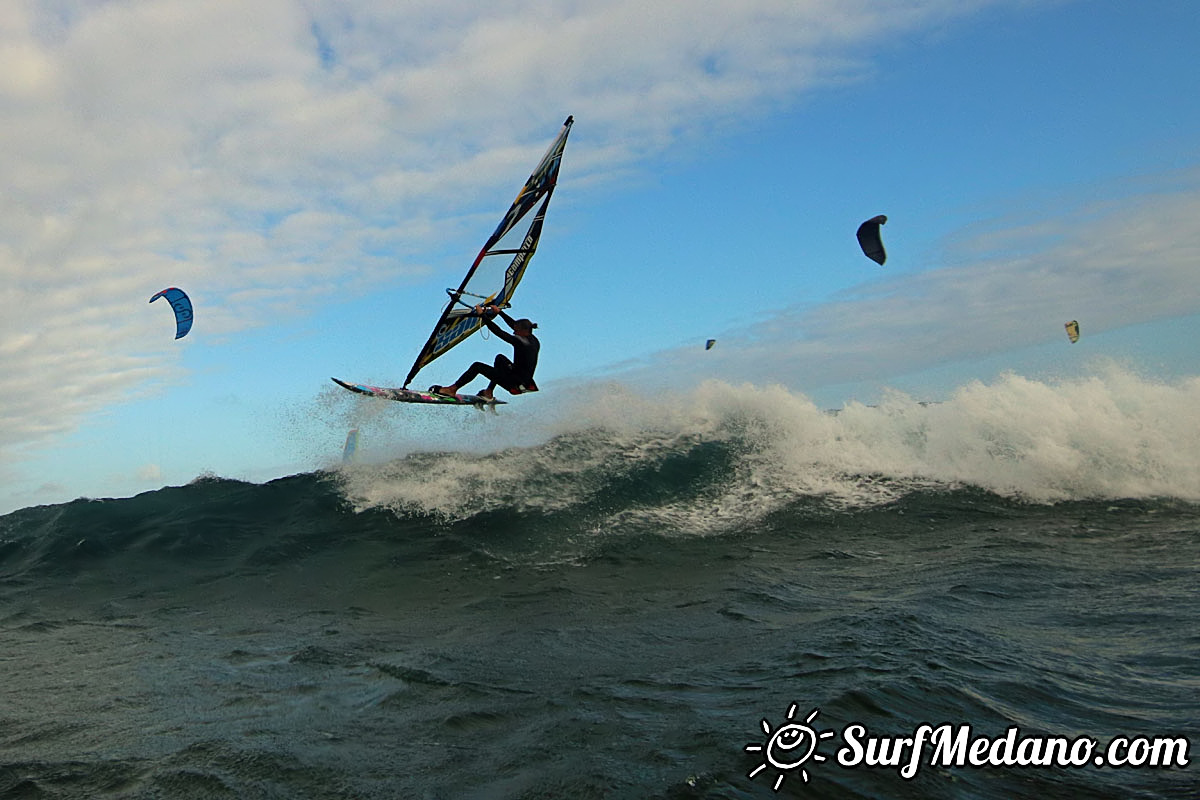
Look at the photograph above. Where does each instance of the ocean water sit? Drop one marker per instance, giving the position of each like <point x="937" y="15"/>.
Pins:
<point x="638" y="602"/>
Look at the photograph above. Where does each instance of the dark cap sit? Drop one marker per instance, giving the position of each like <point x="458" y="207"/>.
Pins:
<point x="524" y="323"/>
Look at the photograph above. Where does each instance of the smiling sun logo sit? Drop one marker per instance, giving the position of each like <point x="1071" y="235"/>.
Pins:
<point x="788" y="747"/>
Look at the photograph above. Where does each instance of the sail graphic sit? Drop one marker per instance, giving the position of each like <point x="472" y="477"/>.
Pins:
<point x="488" y="285"/>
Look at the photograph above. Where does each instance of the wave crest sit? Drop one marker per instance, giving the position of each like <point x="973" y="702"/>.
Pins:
<point x="725" y="454"/>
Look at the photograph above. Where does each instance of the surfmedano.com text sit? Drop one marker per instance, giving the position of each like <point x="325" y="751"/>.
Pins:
<point x="955" y="746"/>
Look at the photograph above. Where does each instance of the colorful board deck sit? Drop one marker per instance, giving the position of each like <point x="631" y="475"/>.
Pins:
<point x="411" y="396"/>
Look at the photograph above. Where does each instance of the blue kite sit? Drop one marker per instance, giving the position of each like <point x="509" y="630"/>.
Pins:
<point x="183" y="309"/>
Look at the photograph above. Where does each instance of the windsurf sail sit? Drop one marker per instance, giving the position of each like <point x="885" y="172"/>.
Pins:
<point x="350" y="451"/>
<point x="484" y="283"/>
<point x="183" y="309"/>
<point x="1073" y="331"/>
<point x="709" y="344"/>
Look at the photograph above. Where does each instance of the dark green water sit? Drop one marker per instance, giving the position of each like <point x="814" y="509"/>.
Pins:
<point x="612" y="624"/>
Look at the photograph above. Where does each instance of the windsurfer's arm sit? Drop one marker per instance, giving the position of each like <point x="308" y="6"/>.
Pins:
<point x="503" y="334"/>
<point x="488" y="313"/>
<point x="512" y="323"/>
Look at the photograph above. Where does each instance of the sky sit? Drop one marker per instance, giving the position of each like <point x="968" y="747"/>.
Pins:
<point x="315" y="173"/>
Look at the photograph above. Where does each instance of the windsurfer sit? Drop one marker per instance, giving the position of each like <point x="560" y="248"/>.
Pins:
<point x="515" y="375"/>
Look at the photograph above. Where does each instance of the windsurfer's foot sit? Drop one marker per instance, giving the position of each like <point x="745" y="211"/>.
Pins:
<point x="448" y="391"/>
<point x="486" y="394"/>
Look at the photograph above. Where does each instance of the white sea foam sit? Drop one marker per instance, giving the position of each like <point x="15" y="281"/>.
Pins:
<point x="1109" y="436"/>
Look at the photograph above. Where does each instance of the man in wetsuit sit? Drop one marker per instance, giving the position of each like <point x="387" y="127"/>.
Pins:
<point x="516" y="376"/>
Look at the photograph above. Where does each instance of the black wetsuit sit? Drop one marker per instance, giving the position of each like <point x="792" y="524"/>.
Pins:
<point x="515" y="376"/>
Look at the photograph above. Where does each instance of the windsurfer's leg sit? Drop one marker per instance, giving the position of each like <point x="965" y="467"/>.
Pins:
<point x="474" y="371"/>
<point x="501" y="368"/>
<point x="499" y="374"/>
<point x="471" y="374"/>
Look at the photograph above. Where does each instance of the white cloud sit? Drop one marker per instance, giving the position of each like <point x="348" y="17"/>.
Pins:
<point x="1111" y="266"/>
<point x="228" y="146"/>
